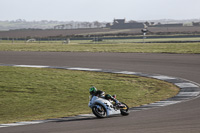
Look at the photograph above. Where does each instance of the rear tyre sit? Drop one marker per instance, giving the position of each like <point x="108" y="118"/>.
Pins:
<point x="125" y="111"/>
<point x="99" y="111"/>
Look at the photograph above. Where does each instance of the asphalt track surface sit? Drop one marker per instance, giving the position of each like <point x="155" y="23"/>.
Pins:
<point x="178" y="118"/>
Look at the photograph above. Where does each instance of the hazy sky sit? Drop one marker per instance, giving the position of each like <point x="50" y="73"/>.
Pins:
<point x="100" y="10"/>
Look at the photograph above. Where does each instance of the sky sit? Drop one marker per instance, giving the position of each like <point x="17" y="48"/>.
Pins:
<point x="98" y="10"/>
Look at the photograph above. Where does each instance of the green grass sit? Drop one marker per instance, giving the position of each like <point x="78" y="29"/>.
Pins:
<point x="150" y="40"/>
<point x="114" y="45"/>
<point x="118" y="47"/>
<point x="35" y="93"/>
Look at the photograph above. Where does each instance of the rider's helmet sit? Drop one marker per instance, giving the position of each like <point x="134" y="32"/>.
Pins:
<point x="92" y="90"/>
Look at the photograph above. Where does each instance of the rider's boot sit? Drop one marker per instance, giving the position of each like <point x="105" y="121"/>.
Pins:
<point x="120" y="106"/>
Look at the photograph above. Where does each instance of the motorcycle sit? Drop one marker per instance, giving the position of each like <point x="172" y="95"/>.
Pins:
<point x="102" y="107"/>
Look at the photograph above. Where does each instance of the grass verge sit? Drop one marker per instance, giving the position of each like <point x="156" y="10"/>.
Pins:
<point x="34" y="93"/>
<point x="193" y="48"/>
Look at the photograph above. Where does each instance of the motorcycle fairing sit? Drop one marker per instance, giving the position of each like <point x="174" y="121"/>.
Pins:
<point x="110" y="109"/>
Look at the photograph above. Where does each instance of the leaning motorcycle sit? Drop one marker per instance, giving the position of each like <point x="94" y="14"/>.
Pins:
<point x="102" y="107"/>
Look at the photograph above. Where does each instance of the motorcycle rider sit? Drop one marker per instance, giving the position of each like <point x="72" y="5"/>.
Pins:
<point x="94" y="92"/>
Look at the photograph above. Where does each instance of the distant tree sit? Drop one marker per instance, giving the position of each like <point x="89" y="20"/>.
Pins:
<point x="90" y="25"/>
<point x="97" y="24"/>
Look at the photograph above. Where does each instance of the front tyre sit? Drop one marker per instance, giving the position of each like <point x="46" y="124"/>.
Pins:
<point x="99" y="111"/>
<point x="125" y="110"/>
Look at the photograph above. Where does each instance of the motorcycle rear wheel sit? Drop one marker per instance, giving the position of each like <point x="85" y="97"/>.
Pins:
<point x="99" y="111"/>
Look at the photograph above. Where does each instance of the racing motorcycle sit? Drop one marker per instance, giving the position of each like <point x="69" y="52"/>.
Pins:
<point x="102" y="107"/>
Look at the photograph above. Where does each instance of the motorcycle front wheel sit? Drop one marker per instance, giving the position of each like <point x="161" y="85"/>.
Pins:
<point x="124" y="111"/>
<point x="99" y="111"/>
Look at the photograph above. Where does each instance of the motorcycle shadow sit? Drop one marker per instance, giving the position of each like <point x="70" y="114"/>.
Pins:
<point x="82" y="118"/>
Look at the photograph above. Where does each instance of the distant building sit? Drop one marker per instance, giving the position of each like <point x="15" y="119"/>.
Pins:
<point x="169" y="25"/>
<point x="196" y="23"/>
<point x="119" y="21"/>
<point x="122" y="24"/>
<point x="149" y="24"/>
<point x="153" y="24"/>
